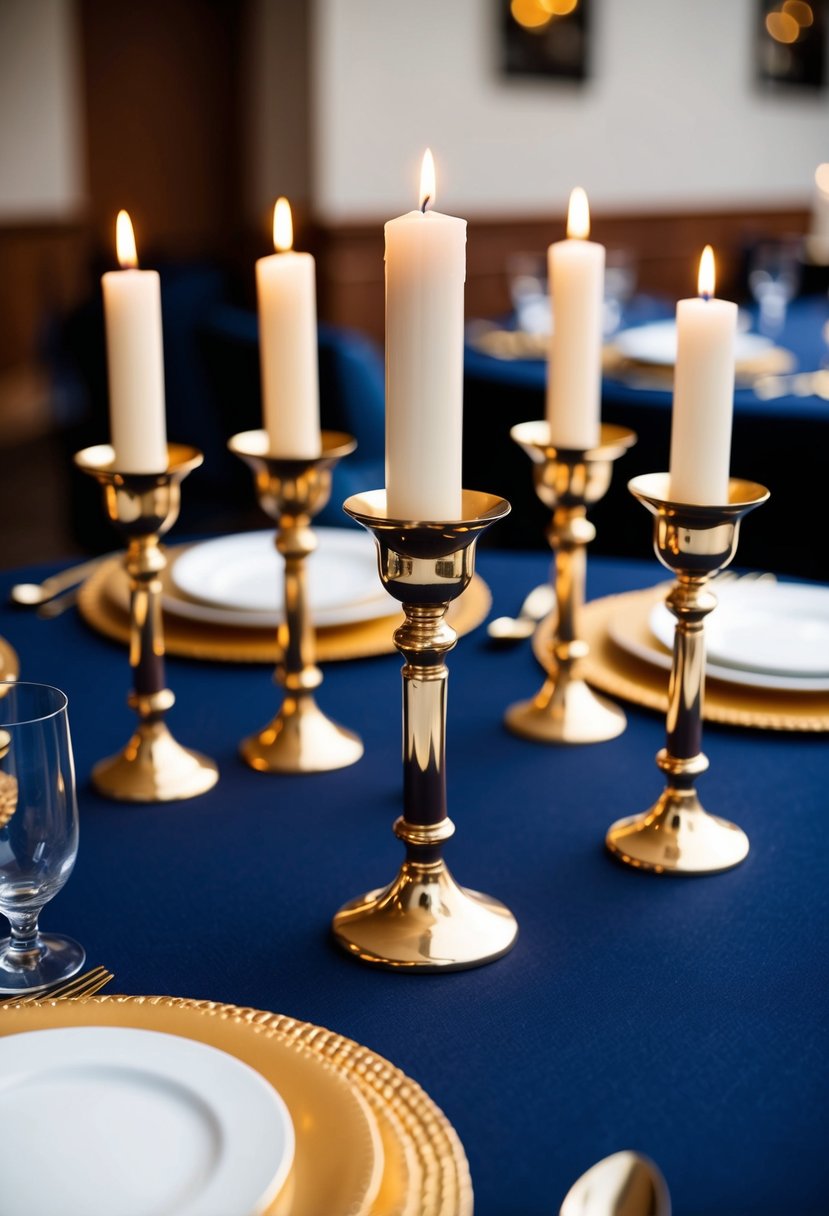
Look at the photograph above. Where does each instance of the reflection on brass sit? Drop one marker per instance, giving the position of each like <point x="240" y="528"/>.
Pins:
<point x="300" y="739"/>
<point x="676" y="836"/>
<point x="424" y="921"/>
<point x="152" y="767"/>
<point x="566" y="710"/>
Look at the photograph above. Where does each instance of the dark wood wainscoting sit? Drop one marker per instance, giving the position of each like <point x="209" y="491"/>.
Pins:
<point x="667" y="246"/>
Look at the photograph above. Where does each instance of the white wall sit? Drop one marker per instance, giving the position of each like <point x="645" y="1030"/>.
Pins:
<point x="41" y="168"/>
<point x="275" y="104"/>
<point x="670" y="118"/>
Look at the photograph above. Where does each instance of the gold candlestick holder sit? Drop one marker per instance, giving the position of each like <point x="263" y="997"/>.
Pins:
<point x="677" y="836"/>
<point x="567" y="710"/>
<point x="300" y="739"/>
<point x="424" y="921"/>
<point x="152" y="767"/>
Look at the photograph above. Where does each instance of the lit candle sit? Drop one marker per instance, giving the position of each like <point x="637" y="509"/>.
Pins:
<point x="135" y="359"/>
<point x="574" y="382"/>
<point x="425" y="273"/>
<point x="703" y="393"/>
<point x="286" y="294"/>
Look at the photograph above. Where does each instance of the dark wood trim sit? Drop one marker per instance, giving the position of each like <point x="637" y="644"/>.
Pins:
<point x="667" y="245"/>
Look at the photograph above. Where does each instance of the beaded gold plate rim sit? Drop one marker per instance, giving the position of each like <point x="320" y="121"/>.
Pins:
<point x="99" y="603"/>
<point x="436" y="1180"/>
<point x="614" y="671"/>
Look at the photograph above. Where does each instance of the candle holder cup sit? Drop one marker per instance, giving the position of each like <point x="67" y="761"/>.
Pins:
<point x="153" y="767"/>
<point x="300" y="739"/>
<point x="566" y="710"/>
<point x="424" y="921"/>
<point x="677" y="836"/>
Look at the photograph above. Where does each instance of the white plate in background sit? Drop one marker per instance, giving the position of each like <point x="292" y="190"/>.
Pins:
<point x="778" y="629"/>
<point x="242" y="576"/>
<point x="656" y="343"/>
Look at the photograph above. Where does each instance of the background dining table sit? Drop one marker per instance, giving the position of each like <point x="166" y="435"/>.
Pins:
<point x="779" y="441"/>
<point x="685" y="1018"/>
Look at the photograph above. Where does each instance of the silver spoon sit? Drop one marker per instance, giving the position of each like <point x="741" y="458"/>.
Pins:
<point x="538" y="604"/>
<point x="624" y="1184"/>
<point x="32" y="594"/>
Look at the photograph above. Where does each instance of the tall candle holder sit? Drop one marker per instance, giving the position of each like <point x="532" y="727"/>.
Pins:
<point x="300" y="739"/>
<point x="153" y="767"/>
<point x="424" y="921"/>
<point x="566" y="709"/>
<point x="677" y="836"/>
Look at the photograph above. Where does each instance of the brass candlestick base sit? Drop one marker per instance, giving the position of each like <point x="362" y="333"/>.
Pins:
<point x="300" y="739"/>
<point x="566" y="710"/>
<point x="424" y="921"/>
<point x="677" y="836"/>
<point x="152" y="767"/>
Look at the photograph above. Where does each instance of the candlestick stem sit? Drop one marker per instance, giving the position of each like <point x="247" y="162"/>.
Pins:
<point x="153" y="767"/>
<point x="677" y="836"/>
<point x="424" y="640"/>
<point x="566" y="710"/>
<point x="425" y="921"/>
<point x="301" y="738"/>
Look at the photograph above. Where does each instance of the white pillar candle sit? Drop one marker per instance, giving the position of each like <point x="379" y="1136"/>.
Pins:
<point x="703" y="394"/>
<point x="425" y="274"/>
<point x="286" y="294"/>
<point x="135" y="359"/>
<point x="574" y="381"/>
<point x="818" y="239"/>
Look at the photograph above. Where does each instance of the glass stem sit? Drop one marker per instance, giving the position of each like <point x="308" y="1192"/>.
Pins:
<point x="24" y="944"/>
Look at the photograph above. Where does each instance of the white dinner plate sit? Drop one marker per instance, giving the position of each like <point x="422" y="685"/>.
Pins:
<point x="656" y="343"/>
<point x="772" y="628"/>
<point x="102" y="1119"/>
<point x="242" y="575"/>
<point x="346" y="614"/>
<point x="729" y="675"/>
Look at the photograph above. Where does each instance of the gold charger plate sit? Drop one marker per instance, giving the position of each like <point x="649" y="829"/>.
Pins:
<point x="614" y="671"/>
<point x="104" y="597"/>
<point x="9" y="662"/>
<point x="425" y="1172"/>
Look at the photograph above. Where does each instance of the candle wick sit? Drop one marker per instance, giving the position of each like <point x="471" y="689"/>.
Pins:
<point x="706" y="295"/>
<point x="425" y="203"/>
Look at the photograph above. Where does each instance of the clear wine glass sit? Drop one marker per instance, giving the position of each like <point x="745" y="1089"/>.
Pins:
<point x="38" y="833"/>
<point x="773" y="279"/>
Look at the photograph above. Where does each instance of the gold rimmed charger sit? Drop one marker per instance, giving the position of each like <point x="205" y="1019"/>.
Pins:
<point x="616" y="671"/>
<point x="103" y="603"/>
<point x="370" y="1142"/>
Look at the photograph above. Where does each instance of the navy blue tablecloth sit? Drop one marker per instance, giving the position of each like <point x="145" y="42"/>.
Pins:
<point x="685" y="1018"/>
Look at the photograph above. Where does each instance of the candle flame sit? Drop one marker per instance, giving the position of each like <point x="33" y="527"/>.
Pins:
<point x="822" y="178"/>
<point x="578" y="215"/>
<point x="283" y="226"/>
<point x="125" y="241"/>
<point x="707" y="276"/>
<point x="427" y="181"/>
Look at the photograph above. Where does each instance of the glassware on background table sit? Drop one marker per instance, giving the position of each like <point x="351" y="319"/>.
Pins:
<point x="773" y="279"/>
<point x="38" y="833"/>
<point x="620" y="275"/>
<point x="528" y="289"/>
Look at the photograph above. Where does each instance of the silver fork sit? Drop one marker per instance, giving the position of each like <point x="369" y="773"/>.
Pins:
<point x="86" y="984"/>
